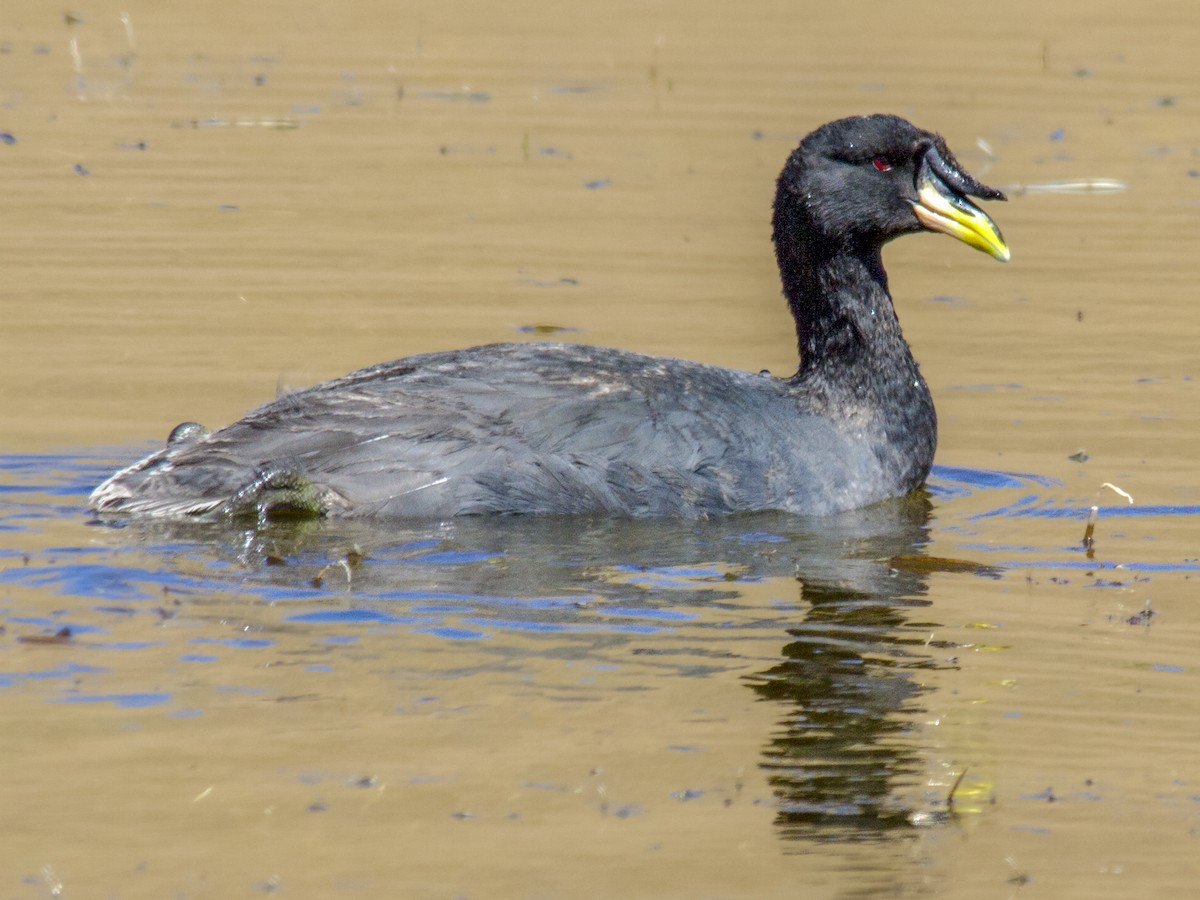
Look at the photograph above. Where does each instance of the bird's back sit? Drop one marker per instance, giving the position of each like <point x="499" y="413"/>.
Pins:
<point x="521" y="428"/>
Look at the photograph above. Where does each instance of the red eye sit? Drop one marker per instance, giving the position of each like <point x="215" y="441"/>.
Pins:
<point x="882" y="164"/>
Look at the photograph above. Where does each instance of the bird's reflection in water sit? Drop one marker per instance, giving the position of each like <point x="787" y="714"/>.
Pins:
<point x="839" y="764"/>
<point x="847" y="679"/>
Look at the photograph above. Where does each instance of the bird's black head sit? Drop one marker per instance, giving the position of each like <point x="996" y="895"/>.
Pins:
<point x="856" y="183"/>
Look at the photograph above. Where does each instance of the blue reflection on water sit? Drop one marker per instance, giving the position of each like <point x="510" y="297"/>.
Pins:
<point x="453" y="634"/>
<point x="129" y="701"/>
<point x="62" y="670"/>
<point x="959" y="479"/>
<point x="350" y="616"/>
<point x="454" y="557"/>
<point x="240" y="643"/>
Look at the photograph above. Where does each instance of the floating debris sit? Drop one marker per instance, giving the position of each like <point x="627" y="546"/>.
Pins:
<point x="282" y="123"/>
<point x="462" y="94"/>
<point x="62" y="636"/>
<point x="550" y="282"/>
<point x="1142" y="617"/>
<point x="348" y="563"/>
<point x="446" y="149"/>
<point x="1078" y="186"/>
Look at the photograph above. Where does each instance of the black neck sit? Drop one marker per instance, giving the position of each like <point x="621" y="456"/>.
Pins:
<point x="838" y="296"/>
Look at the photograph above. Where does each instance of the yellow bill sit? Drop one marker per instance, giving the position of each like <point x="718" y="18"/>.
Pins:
<point x="939" y="208"/>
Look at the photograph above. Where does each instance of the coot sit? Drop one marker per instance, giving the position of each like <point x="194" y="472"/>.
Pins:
<point x="576" y="429"/>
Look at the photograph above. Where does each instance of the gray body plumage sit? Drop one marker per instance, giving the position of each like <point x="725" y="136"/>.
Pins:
<point x="531" y="428"/>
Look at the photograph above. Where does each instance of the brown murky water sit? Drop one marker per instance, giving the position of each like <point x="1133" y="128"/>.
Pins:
<point x="204" y="202"/>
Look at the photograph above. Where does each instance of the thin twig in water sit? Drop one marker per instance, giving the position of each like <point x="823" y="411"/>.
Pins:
<point x="1089" y="541"/>
<point x="954" y="788"/>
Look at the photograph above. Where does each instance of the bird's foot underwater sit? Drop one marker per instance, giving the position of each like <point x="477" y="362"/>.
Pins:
<point x="280" y="495"/>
